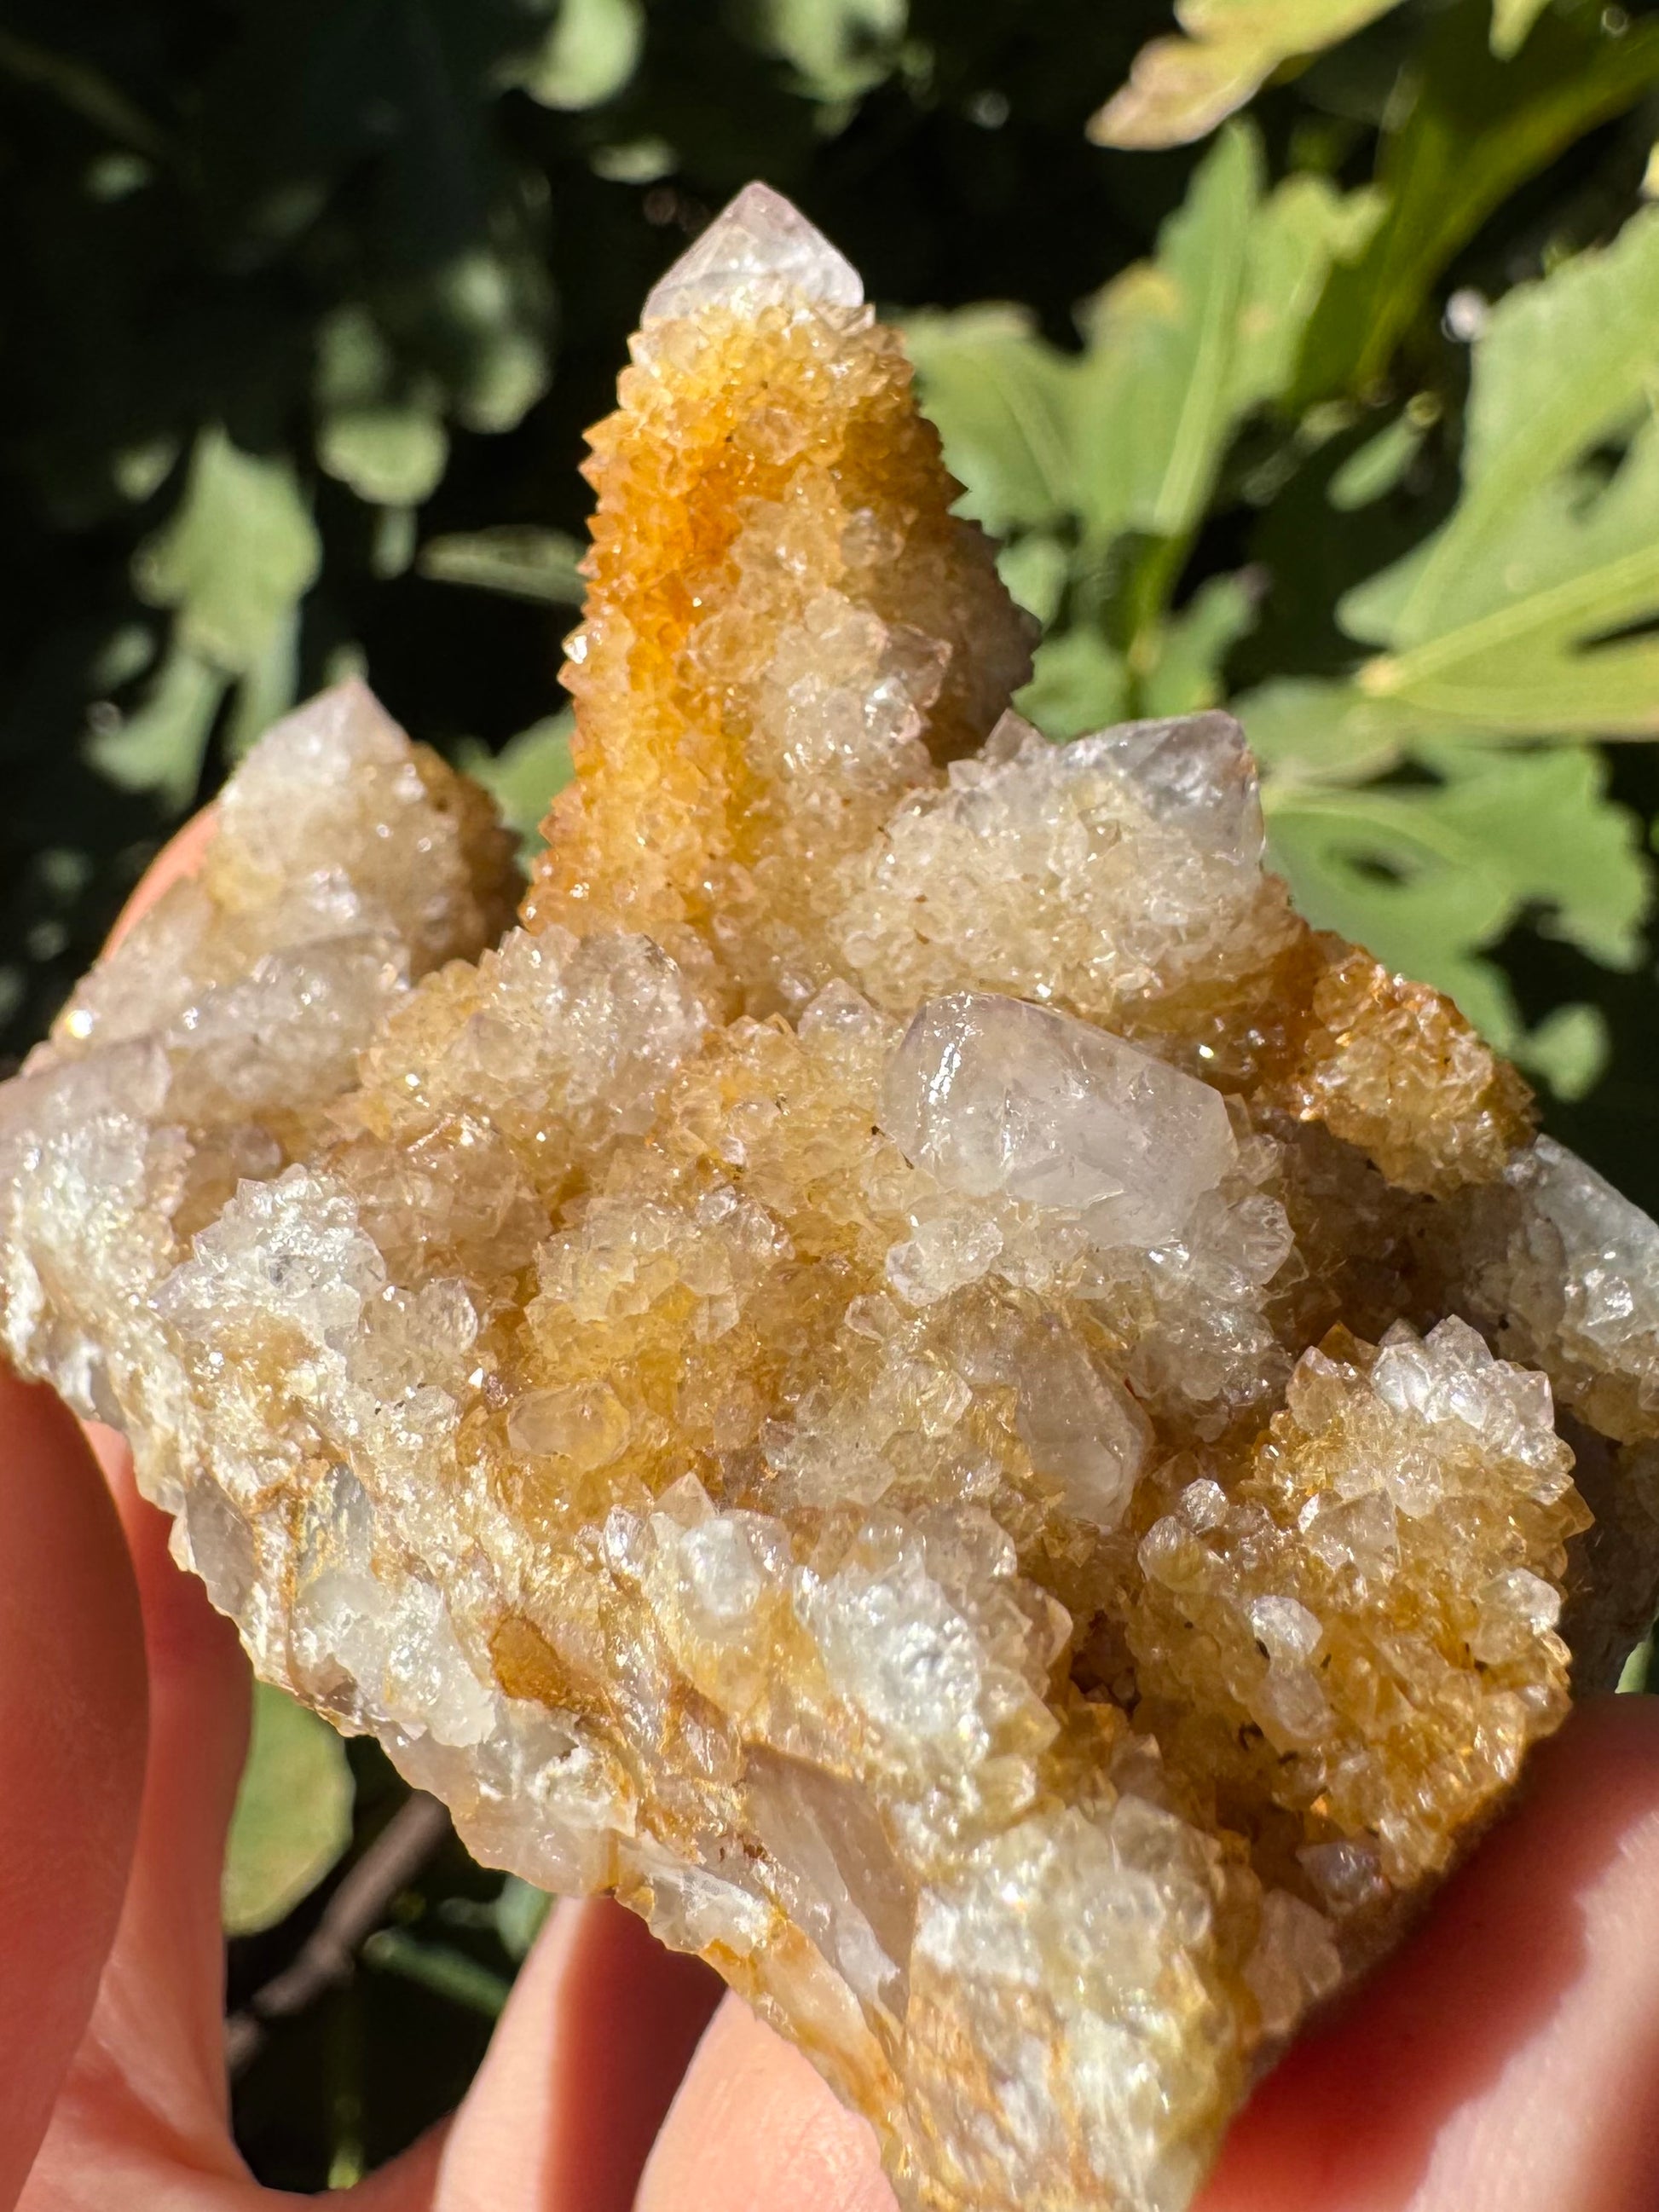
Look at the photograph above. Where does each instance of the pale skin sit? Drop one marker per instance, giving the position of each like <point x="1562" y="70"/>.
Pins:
<point x="1507" y="2060"/>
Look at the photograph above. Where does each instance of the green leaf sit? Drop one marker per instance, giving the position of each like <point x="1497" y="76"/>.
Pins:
<point x="1637" y="1668"/>
<point x="521" y="1911"/>
<point x="517" y="559"/>
<point x="523" y="777"/>
<point x="1183" y="349"/>
<point x="267" y="691"/>
<point x="381" y="429"/>
<point x="161" y="746"/>
<point x="1378" y="466"/>
<point x="1511" y="20"/>
<point x="480" y="321"/>
<point x="1187" y="676"/>
<point x="1466" y="132"/>
<point x="1078" y="684"/>
<point x="1569" y="1049"/>
<point x="838" y="49"/>
<point x="1001" y="399"/>
<point x="293" y="1817"/>
<point x="439" y="1967"/>
<point x="1429" y="877"/>
<point x="1315" y="732"/>
<point x="1180" y="89"/>
<point x="239" y="552"/>
<point x="1525" y="613"/>
<point x="589" y="54"/>
<point x="1035" y="569"/>
<point x="392" y="456"/>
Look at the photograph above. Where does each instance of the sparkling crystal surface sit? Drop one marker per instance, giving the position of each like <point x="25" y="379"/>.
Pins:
<point x="909" y="1369"/>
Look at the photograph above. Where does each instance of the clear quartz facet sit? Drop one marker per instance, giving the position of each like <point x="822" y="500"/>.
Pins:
<point x="758" y="251"/>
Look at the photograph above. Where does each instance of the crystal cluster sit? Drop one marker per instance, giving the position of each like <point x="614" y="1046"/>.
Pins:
<point x="911" y="1371"/>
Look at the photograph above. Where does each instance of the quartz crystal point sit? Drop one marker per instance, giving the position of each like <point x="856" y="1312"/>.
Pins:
<point x="911" y="1372"/>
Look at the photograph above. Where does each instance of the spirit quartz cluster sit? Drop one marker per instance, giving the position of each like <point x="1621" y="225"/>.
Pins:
<point x="909" y="1371"/>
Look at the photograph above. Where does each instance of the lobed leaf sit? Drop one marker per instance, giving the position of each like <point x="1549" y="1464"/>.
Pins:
<point x="1180" y="89"/>
<point x="1463" y="132"/>
<point x="235" y="557"/>
<point x="1002" y="399"/>
<point x="1431" y="876"/>
<point x="1527" y="612"/>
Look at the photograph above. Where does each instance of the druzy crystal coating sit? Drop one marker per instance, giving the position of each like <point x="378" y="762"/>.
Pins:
<point x="909" y="1370"/>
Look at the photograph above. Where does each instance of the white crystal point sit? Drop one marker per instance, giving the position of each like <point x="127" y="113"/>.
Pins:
<point x="759" y="250"/>
<point x="1000" y="1098"/>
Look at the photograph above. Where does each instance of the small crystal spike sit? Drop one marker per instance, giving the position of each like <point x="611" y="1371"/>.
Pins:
<point x="757" y="251"/>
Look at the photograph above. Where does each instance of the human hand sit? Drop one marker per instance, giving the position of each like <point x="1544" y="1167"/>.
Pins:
<point x="1505" y="2057"/>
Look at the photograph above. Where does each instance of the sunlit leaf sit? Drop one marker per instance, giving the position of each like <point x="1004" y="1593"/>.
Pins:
<point x="237" y="554"/>
<point x="1080" y="683"/>
<point x="1002" y="399"/>
<point x="1569" y="1049"/>
<point x="480" y="321"/>
<point x="392" y="456"/>
<point x="381" y="427"/>
<point x="519" y="559"/>
<point x="589" y="54"/>
<point x="1187" y="676"/>
<point x="1310" y="730"/>
<point x="1180" y="89"/>
<point x="1382" y="461"/>
<point x="1464" y="131"/>
<point x="1182" y="349"/>
<point x="267" y="689"/>
<point x="521" y="1911"/>
<point x="161" y="744"/>
<point x="1378" y="464"/>
<point x="1035" y="569"/>
<point x="293" y="1817"/>
<point x="838" y="48"/>
<point x="524" y="774"/>
<point x="1637" y="1666"/>
<point x="1430" y="876"/>
<point x="1528" y="611"/>
<point x="1511" y="20"/>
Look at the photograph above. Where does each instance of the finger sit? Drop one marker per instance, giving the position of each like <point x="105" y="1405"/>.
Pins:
<point x="1505" y="2060"/>
<point x="158" y="2029"/>
<point x="588" y="2058"/>
<point x="147" y="2094"/>
<point x="755" y="2129"/>
<point x="179" y="857"/>
<point x="71" y="1753"/>
<point x="170" y="1938"/>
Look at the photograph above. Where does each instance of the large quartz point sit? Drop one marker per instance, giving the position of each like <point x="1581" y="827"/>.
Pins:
<point x="911" y="1371"/>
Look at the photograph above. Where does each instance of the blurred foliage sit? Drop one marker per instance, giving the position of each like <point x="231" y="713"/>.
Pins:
<point x="1342" y="413"/>
<point x="293" y="1817"/>
<point x="1181" y="87"/>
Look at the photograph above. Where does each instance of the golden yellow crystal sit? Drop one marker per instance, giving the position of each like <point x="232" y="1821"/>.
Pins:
<point x="913" y="1373"/>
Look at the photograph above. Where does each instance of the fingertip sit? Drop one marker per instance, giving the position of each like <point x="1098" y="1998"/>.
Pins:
<point x="159" y="2016"/>
<point x="72" y="1747"/>
<point x="596" y="2038"/>
<point x="1503" y="2055"/>
<point x="755" y="2129"/>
